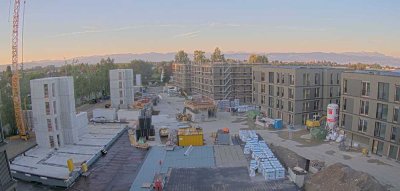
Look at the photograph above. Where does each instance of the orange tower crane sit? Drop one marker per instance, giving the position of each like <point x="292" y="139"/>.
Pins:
<point x="15" y="77"/>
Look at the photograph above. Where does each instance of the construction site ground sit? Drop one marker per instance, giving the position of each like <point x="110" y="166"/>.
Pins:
<point x="384" y="170"/>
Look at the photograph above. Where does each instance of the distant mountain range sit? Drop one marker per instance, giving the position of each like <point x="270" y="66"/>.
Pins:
<point x="341" y="58"/>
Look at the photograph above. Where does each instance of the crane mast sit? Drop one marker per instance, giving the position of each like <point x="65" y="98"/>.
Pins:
<point x="15" y="77"/>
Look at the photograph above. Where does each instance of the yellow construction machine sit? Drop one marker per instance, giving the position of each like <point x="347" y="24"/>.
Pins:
<point x="317" y="121"/>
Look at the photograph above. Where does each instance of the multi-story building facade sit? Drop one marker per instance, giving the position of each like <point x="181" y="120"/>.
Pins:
<point x="216" y="80"/>
<point x="295" y="93"/>
<point x="6" y="181"/>
<point x="369" y="111"/>
<point x="54" y="116"/>
<point x="121" y="88"/>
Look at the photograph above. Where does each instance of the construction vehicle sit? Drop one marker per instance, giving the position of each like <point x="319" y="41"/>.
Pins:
<point x="183" y="117"/>
<point x="19" y="119"/>
<point x="164" y="132"/>
<point x="317" y="121"/>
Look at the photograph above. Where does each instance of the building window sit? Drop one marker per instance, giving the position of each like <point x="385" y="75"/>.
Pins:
<point x="121" y="94"/>
<point x="51" y="140"/>
<point x="306" y="106"/>
<point x="345" y="86"/>
<point x="316" y="105"/>
<point x="56" y="123"/>
<point x="271" y="77"/>
<point x="270" y="101"/>
<point x="331" y="92"/>
<point x="396" y="113"/>
<point x="337" y="79"/>
<point x="120" y="75"/>
<point x="53" y="90"/>
<point x="317" y="78"/>
<point x="377" y="147"/>
<point x="381" y="111"/>
<point x="316" y="93"/>
<point x="283" y="78"/>
<point x="278" y="78"/>
<point x="278" y="91"/>
<point x="121" y="101"/>
<point x="54" y="107"/>
<point x="364" y="107"/>
<point x="393" y="151"/>
<point x="282" y="92"/>
<point x="271" y="90"/>
<point x="46" y="90"/>
<point x="306" y="93"/>
<point x="331" y="78"/>
<point x="291" y="94"/>
<point x="278" y="103"/>
<point x="291" y="79"/>
<point x="304" y="118"/>
<point x="47" y="105"/>
<point x="397" y="94"/>
<point x="262" y="76"/>
<point x="262" y="88"/>
<point x="380" y="130"/>
<point x="270" y="113"/>
<point x="290" y="119"/>
<point x="290" y="106"/>
<point x="262" y="99"/>
<point x="366" y="89"/>
<point x="395" y="134"/>
<point x="362" y="125"/>
<point x="306" y="79"/>
<point x="344" y="104"/>
<point x="343" y="122"/>
<point x="120" y="85"/>
<point x="49" y="126"/>
<point x="383" y="91"/>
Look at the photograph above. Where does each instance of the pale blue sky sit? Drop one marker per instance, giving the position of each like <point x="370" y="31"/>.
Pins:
<point x="55" y="29"/>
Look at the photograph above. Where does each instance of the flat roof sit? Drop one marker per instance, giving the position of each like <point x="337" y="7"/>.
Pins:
<point x="376" y="72"/>
<point x="53" y="163"/>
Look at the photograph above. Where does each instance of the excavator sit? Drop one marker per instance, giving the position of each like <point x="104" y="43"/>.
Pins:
<point x="317" y="121"/>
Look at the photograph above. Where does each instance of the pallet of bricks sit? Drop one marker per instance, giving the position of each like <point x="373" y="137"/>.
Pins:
<point x="263" y="159"/>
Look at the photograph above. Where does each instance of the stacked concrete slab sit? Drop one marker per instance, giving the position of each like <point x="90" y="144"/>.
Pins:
<point x="54" y="115"/>
<point x="121" y="88"/>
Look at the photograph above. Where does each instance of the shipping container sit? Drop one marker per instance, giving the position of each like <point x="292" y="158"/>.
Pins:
<point x="190" y="136"/>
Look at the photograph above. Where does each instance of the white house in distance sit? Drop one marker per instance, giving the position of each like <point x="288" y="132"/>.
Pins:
<point x="54" y="116"/>
<point x="121" y="88"/>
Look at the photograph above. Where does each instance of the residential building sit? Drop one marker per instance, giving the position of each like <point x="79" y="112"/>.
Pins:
<point x="54" y="116"/>
<point x="216" y="80"/>
<point x="121" y="88"/>
<point x="6" y="181"/>
<point x="295" y="93"/>
<point x="370" y="111"/>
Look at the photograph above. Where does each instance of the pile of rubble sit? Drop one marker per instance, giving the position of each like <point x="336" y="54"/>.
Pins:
<point x="341" y="177"/>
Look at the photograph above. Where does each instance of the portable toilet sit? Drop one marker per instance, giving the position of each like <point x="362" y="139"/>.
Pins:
<point x="278" y="124"/>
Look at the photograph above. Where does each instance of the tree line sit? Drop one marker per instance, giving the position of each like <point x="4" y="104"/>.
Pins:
<point x="200" y="57"/>
<point x="91" y="81"/>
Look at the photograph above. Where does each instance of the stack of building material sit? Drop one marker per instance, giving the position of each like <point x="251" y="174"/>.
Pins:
<point x="266" y="162"/>
<point x="109" y="114"/>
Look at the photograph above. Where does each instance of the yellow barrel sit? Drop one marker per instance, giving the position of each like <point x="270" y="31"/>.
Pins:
<point x="84" y="167"/>
<point x="70" y="165"/>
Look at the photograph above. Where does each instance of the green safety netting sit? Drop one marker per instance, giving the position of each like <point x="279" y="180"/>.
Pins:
<point x="252" y="114"/>
<point x="318" y="133"/>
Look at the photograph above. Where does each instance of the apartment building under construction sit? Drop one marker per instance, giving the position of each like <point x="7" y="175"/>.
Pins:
<point x="216" y="80"/>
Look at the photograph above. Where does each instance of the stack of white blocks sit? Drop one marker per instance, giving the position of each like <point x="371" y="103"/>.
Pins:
<point x="264" y="160"/>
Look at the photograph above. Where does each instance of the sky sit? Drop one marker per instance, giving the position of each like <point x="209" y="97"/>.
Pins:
<point x="58" y="29"/>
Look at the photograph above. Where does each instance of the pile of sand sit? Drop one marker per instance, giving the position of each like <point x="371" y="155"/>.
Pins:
<point x="341" y="177"/>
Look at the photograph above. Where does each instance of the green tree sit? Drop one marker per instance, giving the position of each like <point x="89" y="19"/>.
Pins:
<point x="199" y="56"/>
<point x="182" y="57"/>
<point x="253" y="58"/>
<point x="217" y="56"/>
